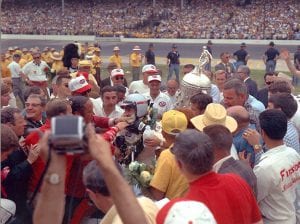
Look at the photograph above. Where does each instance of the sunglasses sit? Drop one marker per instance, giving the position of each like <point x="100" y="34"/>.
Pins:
<point x="119" y="77"/>
<point x="36" y="57"/>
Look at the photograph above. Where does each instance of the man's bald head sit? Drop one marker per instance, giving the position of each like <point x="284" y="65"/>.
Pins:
<point x="240" y="114"/>
<point x="172" y="86"/>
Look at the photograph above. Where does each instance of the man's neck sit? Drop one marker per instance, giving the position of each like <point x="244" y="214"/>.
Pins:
<point x="273" y="143"/>
<point x="108" y="110"/>
<point x="153" y="96"/>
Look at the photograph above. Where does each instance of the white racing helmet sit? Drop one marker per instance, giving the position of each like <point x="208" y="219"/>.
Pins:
<point x="138" y="102"/>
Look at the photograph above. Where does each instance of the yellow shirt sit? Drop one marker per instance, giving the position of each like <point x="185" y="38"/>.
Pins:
<point x="135" y="59"/>
<point x="57" y="66"/>
<point x="27" y="57"/>
<point x="4" y="70"/>
<point x="117" y="60"/>
<point x="96" y="60"/>
<point x="167" y="176"/>
<point x="22" y="62"/>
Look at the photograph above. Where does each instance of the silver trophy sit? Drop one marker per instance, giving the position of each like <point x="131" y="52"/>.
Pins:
<point x="194" y="82"/>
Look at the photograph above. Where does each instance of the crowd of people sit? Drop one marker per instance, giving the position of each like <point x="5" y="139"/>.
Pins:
<point x="227" y="153"/>
<point x="167" y="19"/>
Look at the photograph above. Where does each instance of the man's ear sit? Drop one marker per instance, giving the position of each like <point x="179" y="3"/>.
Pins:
<point x="90" y="193"/>
<point x="179" y="164"/>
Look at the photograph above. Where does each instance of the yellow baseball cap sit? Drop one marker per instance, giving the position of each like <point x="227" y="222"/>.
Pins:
<point x="174" y="122"/>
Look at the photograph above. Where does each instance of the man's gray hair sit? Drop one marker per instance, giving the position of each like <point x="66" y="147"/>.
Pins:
<point x="238" y="85"/>
<point x="93" y="179"/>
<point x="194" y="150"/>
<point x="245" y="69"/>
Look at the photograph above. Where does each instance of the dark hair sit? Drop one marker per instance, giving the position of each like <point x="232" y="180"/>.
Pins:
<point x="9" y="139"/>
<point x="280" y="86"/>
<point x="7" y="115"/>
<point x="238" y="85"/>
<point x="221" y="136"/>
<point x="269" y="74"/>
<point x="201" y="100"/>
<point x="77" y="103"/>
<point x="106" y="89"/>
<point x="61" y="77"/>
<point x="285" y="102"/>
<point x="274" y="123"/>
<point x="120" y="88"/>
<point x="194" y="150"/>
<point x="31" y="90"/>
<point x="55" y="107"/>
<point x="93" y="179"/>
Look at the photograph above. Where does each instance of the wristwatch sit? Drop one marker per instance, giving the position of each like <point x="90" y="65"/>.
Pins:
<point x="257" y="147"/>
<point x="52" y="178"/>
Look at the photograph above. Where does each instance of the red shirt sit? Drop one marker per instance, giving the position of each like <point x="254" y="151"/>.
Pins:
<point x="39" y="165"/>
<point x="228" y="197"/>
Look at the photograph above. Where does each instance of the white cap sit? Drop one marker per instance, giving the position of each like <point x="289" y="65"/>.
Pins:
<point x="116" y="48"/>
<point x="7" y="209"/>
<point x="79" y="84"/>
<point x="154" y="78"/>
<point x="136" y="48"/>
<point x="149" y="69"/>
<point x="189" y="212"/>
<point x="117" y="72"/>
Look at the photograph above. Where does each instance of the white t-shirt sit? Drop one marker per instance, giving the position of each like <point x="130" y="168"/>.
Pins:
<point x="278" y="173"/>
<point x="98" y="109"/>
<point x="138" y="87"/>
<point x="296" y="118"/>
<point x="15" y="69"/>
<point x="162" y="103"/>
<point x="36" y="72"/>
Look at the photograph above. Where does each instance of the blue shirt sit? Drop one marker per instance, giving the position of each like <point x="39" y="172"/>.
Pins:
<point x="241" y="144"/>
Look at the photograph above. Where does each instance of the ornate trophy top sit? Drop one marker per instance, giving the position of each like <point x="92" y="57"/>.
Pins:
<point x="195" y="81"/>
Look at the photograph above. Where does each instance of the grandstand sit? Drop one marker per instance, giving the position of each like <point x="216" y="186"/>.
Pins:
<point x="210" y="19"/>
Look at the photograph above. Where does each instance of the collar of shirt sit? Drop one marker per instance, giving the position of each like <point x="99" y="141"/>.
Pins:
<point x="218" y="164"/>
<point x="246" y="79"/>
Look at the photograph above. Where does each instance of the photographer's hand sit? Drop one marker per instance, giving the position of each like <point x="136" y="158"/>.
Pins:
<point x="49" y="209"/>
<point x="120" y="191"/>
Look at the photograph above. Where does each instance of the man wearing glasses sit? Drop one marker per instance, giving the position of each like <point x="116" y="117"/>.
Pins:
<point x="225" y="65"/>
<point x="36" y="72"/>
<point x="34" y="108"/>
